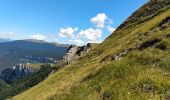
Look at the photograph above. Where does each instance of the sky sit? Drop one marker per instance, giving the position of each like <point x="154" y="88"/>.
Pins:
<point x="64" y="21"/>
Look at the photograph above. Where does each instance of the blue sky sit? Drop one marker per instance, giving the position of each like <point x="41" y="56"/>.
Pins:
<point x="64" y="21"/>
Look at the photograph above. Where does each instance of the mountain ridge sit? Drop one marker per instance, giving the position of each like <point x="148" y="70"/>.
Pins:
<point x="23" y="51"/>
<point x="2" y="40"/>
<point x="151" y="8"/>
<point x="140" y="72"/>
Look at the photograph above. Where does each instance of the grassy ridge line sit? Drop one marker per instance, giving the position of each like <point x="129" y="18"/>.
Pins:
<point x="119" y="41"/>
<point x="144" y="13"/>
<point x="67" y="77"/>
<point x="121" y="76"/>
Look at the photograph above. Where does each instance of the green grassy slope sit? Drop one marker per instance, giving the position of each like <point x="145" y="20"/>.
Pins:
<point x="143" y="71"/>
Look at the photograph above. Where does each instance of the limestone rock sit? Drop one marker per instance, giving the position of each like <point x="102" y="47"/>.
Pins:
<point x="15" y="72"/>
<point x="74" y="52"/>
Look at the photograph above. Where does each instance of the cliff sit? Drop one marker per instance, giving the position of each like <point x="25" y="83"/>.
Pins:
<point x="15" y="72"/>
<point x="74" y="52"/>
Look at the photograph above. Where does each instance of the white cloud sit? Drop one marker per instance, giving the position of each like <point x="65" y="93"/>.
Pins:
<point x="7" y="33"/>
<point x="37" y="37"/>
<point x="67" y="32"/>
<point x="99" y="20"/>
<point x="110" y="29"/>
<point x="90" y="34"/>
<point x="77" y="41"/>
<point x="56" y="39"/>
<point x="93" y="41"/>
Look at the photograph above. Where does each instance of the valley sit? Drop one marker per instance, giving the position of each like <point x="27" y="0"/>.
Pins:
<point x="29" y="51"/>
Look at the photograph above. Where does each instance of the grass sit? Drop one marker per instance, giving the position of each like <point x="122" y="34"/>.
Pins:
<point x="141" y="75"/>
<point x="36" y="66"/>
<point x="127" y="79"/>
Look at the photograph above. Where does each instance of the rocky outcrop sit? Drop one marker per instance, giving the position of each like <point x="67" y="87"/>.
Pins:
<point x="165" y="21"/>
<point x="74" y="52"/>
<point x="15" y="72"/>
<point x="71" y="52"/>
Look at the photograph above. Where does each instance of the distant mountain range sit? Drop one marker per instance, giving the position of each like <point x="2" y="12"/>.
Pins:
<point x="4" y="40"/>
<point x="37" y="51"/>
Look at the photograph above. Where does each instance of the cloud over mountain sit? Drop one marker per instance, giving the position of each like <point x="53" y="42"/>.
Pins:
<point x="90" y="34"/>
<point x="37" y="37"/>
<point x="110" y="29"/>
<point x="67" y="32"/>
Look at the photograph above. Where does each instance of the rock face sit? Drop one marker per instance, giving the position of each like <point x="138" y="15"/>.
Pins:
<point x="165" y="21"/>
<point x="71" y="52"/>
<point x="17" y="71"/>
<point x="74" y="52"/>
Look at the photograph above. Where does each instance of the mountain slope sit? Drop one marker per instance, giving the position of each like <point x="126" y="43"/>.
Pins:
<point x="4" y="40"/>
<point x="132" y="63"/>
<point x="20" y="51"/>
